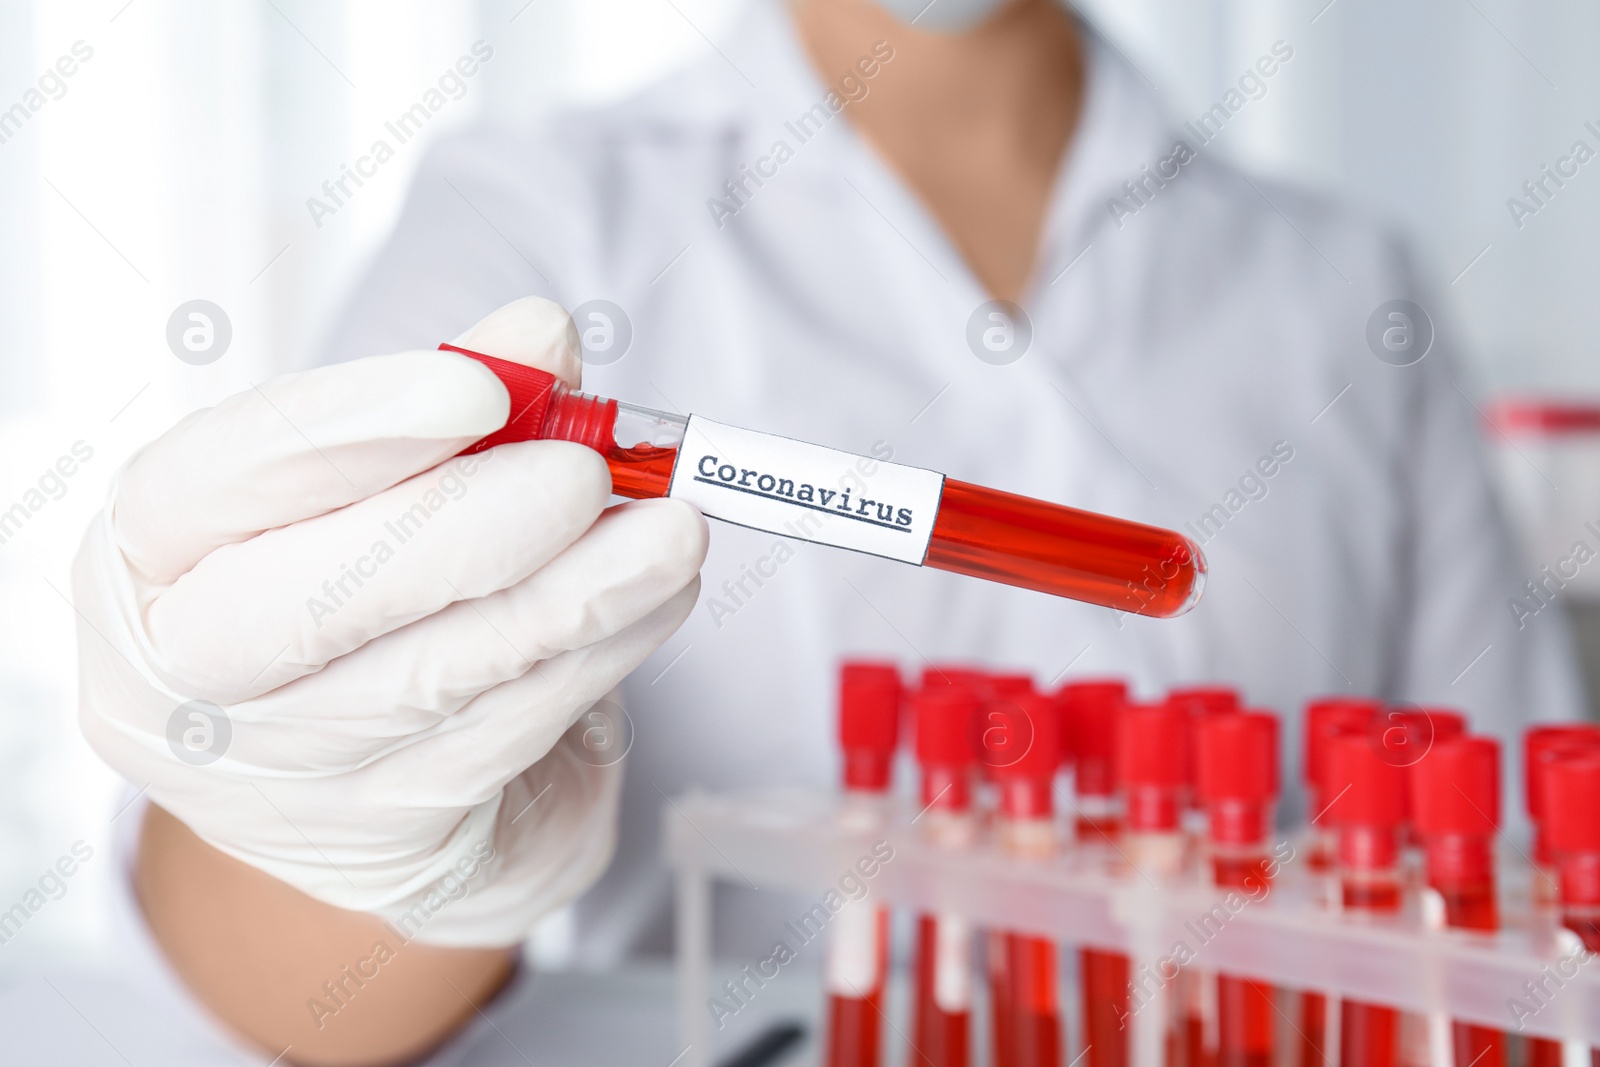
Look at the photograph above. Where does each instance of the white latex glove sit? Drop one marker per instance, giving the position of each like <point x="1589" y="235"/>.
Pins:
<point x="398" y="641"/>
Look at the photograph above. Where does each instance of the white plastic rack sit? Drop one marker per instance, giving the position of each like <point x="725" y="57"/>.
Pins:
<point x="796" y="841"/>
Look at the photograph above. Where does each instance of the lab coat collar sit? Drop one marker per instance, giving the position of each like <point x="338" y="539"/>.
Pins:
<point x="760" y="78"/>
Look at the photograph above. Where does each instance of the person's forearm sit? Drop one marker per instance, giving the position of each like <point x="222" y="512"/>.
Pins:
<point x="336" y="987"/>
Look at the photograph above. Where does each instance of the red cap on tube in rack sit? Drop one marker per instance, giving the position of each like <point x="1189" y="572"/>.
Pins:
<point x="1366" y="801"/>
<point x="869" y="723"/>
<point x="1572" y="823"/>
<point x="1455" y="789"/>
<point x="1539" y="745"/>
<point x="1236" y="774"/>
<point x="947" y="674"/>
<point x="1020" y="743"/>
<point x="1202" y="702"/>
<point x="1326" y="718"/>
<point x="945" y="720"/>
<point x="1089" y="711"/>
<point x="1406" y="735"/>
<point x="1152" y="757"/>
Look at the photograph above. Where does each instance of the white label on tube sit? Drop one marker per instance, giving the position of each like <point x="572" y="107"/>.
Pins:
<point x="806" y="491"/>
<point x="853" y="949"/>
<point x="952" y="964"/>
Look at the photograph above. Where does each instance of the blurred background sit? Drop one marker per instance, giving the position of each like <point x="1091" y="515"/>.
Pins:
<point x="176" y="161"/>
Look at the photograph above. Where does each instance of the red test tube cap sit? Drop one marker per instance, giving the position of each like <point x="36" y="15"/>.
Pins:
<point x="944" y="718"/>
<point x="1203" y="700"/>
<point x="869" y="722"/>
<point x="1327" y="717"/>
<point x="1455" y="788"/>
<point x="950" y="674"/>
<point x="1089" y="711"/>
<point x="1408" y="734"/>
<point x="1019" y="741"/>
<point x="1364" y="788"/>
<point x="1572" y="799"/>
<point x="1152" y="763"/>
<point x="1236" y="757"/>
<point x="1542" y="742"/>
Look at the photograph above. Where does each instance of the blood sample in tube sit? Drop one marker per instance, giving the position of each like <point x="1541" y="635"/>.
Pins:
<point x="1539" y="745"/>
<point x="976" y="531"/>
<point x="858" y="942"/>
<point x="1089" y="711"/>
<point x="941" y="1011"/>
<point x="1569" y="803"/>
<point x="1455" y="811"/>
<point x="1021" y="744"/>
<point x="1152" y="768"/>
<point x="1367" y="812"/>
<point x="1236" y="779"/>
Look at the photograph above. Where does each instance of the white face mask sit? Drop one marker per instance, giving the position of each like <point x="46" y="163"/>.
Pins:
<point x="943" y="16"/>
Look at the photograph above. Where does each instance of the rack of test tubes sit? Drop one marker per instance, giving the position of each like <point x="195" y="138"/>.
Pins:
<point x="1099" y="880"/>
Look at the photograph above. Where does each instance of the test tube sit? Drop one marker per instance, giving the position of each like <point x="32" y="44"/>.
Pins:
<point x="1236" y="765"/>
<point x="1089" y="711"/>
<point x="1571" y="805"/>
<point x="1152" y="764"/>
<point x="1324" y="720"/>
<point x="858" y="942"/>
<point x="941" y="1013"/>
<point x="1367" y="814"/>
<point x="1024" y="1001"/>
<point x="1455" y="808"/>
<point x="916" y="516"/>
<point x="1539" y="745"/>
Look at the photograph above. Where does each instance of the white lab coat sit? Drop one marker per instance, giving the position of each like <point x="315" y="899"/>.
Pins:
<point x="1173" y="348"/>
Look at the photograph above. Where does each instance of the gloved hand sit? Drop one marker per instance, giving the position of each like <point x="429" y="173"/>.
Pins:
<point x="395" y="642"/>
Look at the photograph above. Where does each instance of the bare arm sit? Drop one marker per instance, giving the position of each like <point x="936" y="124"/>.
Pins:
<point x="262" y="956"/>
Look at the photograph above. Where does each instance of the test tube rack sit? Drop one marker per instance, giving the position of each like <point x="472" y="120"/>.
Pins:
<point x="796" y="841"/>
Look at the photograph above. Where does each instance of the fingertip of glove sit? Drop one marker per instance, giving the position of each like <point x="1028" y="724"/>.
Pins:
<point x="532" y="331"/>
<point x="441" y="395"/>
<point x="681" y="533"/>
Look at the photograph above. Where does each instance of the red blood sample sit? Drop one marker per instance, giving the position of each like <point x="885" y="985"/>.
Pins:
<point x="981" y="532"/>
<point x="1089" y="711"/>
<point x="1023" y="754"/>
<point x="1236" y="779"/>
<point x="1151" y="766"/>
<point x="941" y="1019"/>
<point x="1455" y="809"/>
<point x="1538" y="745"/>
<point x="1570" y="799"/>
<point x="1367" y="814"/>
<point x="1324" y="719"/>
<point x="869" y="727"/>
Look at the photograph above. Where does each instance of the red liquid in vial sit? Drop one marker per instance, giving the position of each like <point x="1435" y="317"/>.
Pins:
<point x="1014" y="540"/>
<point x="1472" y="907"/>
<point x="854" y="1036"/>
<point x="1105" y="1007"/>
<point x="1369" y="1035"/>
<point x="1028" y="1011"/>
<point x="1246" y="1014"/>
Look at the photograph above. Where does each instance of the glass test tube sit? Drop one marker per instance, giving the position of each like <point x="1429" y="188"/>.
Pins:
<point x="1455" y="806"/>
<point x="858" y="942"/>
<point x="1152" y="769"/>
<point x="942" y="1007"/>
<point x="1570" y="804"/>
<point x="1021" y="743"/>
<point x="1089" y="711"/>
<point x="1236" y="768"/>
<point x="976" y="531"/>
<point x="1367" y="813"/>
